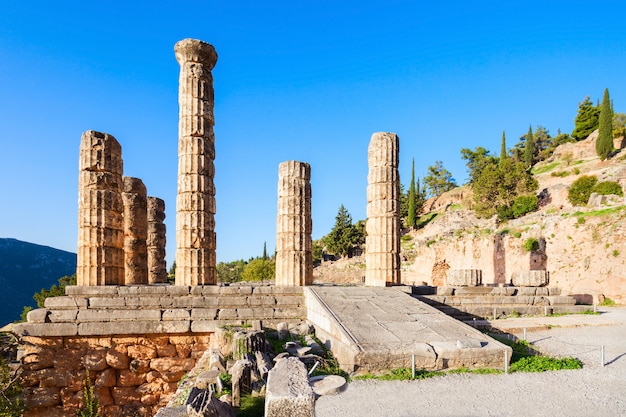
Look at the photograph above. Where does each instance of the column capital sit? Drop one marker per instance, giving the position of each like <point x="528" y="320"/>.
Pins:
<point x="193" y="50"/>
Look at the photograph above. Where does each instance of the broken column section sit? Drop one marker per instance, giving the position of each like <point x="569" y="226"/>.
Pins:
<point x="134" y="197"/>
<point x="157" y="270"/>
<point x="100" y="258"/>
<point x="382" y="243"/>
<point x="195" y="202"/>
<point x="294" y="259"/>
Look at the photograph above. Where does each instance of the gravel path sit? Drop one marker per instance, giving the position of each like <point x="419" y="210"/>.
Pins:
<point x="594" y="390"/>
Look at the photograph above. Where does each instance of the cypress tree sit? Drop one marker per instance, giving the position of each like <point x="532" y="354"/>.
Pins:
<point x="264" y="251"/>
<point x="586" y="120"/>
<point x="604" y="144"/>
<point x="503" y="148"/>
<point x="412" y="220"/>
<point x="529" y="148"/>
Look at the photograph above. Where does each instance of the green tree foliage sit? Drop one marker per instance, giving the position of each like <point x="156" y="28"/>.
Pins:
<point x="318" y="250"/>
<point x="90" y="404"/>
<point x="259" y="270"/>
<point x="524" y="204"/>
<point x="503" y="154"/>
<point x="264" y="251"/>
<point x="607" y="188"/>
<point x="54" y="290"/>
<point x="477" y="160"/>
<point x="619" y="125"/>
<point x="604" y="144"/>
<point x="586" y="120"/>
<point x="529" y="148"/>
<point x="171" y="275"/>
<point x="230" y="271"/>
<point x="580" y="190"/>
<point x="412" y="215"/>
<point x="10" y="392"/>
<point x="498" y="185"/>
<point x="439" y="180"/>
<point x="344" y="236"/>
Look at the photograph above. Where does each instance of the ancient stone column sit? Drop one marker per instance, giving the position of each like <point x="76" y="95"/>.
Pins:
<point x="195" y="202"/>
<point x="157" y="271"/>
<point x="135" y="202"/>
<point x="294" y="258"/>
<point x="100" y="259"/>
<point x="382" y="243"/>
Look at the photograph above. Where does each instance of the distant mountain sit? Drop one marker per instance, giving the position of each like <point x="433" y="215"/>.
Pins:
<point x="26" y="268"/>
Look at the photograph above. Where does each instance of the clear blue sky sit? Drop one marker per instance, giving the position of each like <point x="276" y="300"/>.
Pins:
<point x="303" y="80"/>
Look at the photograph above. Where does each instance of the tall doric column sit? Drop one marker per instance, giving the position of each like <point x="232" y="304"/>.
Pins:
<point x="100" y="259"/>
<point x="157" y="271"/>
<point x="195" y="202"/>
<point x="382" y="244"/>
<point x="134" y="197"/>
<point x="294" y="259"/>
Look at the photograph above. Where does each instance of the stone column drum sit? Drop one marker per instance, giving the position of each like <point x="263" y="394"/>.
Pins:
<point x="100" y="259"/>
<point x="195" y="202"/>
<point x="382" y="243"/>
<point x="294" y="257"/>
<point x="135" y="202"/>
<point x="157" y="271"/>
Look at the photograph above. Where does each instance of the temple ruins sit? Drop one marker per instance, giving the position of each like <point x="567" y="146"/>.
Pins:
<point x="135" y="201"/>
<point x="155" y="243"/>
<point x="382" y="243"/>
<point x="195" y="202"/>
<point x="294" y="261"/>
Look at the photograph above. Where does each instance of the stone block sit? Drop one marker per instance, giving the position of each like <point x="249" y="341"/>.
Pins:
<point x="107" y="302"/>
<point x="176" y="314"/>
<point x="245" y="313"/>
<point x="231" y="301"/>
<point x="289" y="301"/>
<point x="102" y="290"/>
<point x="38" y="315"/>
<point x="172" y="364"/>
<point x="527" y="291"/>
<point x="561" y="300"/>
<point x="227" y="314"/>
<point x="532" y="278"/>
<point x="177" y="290"/>
<point x="203" y="313"/>
<point x="62" y="316"/>
<point x="445" y="291"/>
<point x="45" y="329"/>
<point x="288" y="393"/>
<point x="188" y="302"/>
<point x="42" y="397"/>
<point x="65" y="302"/>
<point x="132" y="327"/>
<point x="118" y="315"/>
<point x="205" y="326"/>
<point x="505" y="291"/>
<point x="263" y="290"/>
<point x="263" y="313"/>
<point x="465" y="277"/>
<point x="210" y="289"/>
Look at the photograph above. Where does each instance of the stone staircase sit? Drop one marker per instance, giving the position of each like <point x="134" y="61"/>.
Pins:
<point x="488" y="302"/>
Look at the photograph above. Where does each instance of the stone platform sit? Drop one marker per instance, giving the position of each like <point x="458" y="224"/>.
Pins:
<point x="374" y="329"/>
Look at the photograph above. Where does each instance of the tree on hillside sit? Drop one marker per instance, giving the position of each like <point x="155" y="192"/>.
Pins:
<point x="412" y="215"/>
<point x="619" y="125"/>
<point x="604" y="144"/>
<point x="503" y="154"/>
<point x="259" y="269"/>
<point x="476" y="159"/>
<point x="529" y="148"/>
<point x="439" y="180"/>
<point x="264" y="251"/>
<point x="230" y="271"/>
<point x="344" y="236"/>
<point x="586" y="120"/>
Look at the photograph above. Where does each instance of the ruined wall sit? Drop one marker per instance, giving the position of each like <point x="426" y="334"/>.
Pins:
<point x="132" y="375"/>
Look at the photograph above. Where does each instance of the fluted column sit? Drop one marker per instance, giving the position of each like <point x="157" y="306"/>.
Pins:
<point x="195" y="202"/>
<point x="382" y="243"/>
<point x="157" y="271"/>
<point x="100" y="259"/>
<point x="294" y="259"/>
<point x="134" y="197"/>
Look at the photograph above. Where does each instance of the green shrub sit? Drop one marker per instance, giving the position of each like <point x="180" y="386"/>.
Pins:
<point x="576" y="171"/>
<point x="524" y="204"/>
<point x="531" y="244"/>
<point x="504" y="213"/>
<point x="10" y="392"/>
<point x="580" y="190"/>
<point x="560" y="174"/>
<point x="607" y="302"/>
<point x="607" y="188"/>
<point x="90" y="402"/>
<point x="615" y="253"/>
<point x="544" y="363"/>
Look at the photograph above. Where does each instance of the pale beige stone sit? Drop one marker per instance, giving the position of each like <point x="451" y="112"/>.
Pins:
<point x="100" y="259"/>
<point x="382" y="243"/>
<point x="134" y="197"/>
<point x="465" y="277"/>
<point x="195" y="203"/>
<point x="294" y="261"/>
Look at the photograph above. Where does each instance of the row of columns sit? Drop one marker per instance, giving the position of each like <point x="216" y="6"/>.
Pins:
<point x="121" y="231"/>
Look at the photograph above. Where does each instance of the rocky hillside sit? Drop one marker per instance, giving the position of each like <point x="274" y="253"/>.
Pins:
<point x="583" y="248"/>
<point x="26" y="268"/>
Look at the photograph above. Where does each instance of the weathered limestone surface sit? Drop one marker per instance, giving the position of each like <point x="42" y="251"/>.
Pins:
<point x="100" y="259"/>
<point x="465" y="277"/>
<point x="288" y="393"/>
<point x="155" y="242"/>
<point x="533" y="278"/>
<point x="382" y="244"/>
<point x="294" y="261"/>
<point x="195" y="202"/>
<point x="134" y="197"/>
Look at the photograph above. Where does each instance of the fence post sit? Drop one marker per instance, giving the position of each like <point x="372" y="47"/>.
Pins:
<point x="524" y="333"/>
<point x="413" y="366"/>
<point x="602" y="355"/>
<point x="506" y="363"/>
<point x="494" y="313"/>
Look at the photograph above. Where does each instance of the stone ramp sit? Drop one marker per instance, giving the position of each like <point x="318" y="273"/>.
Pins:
<point x="373" y="329"/>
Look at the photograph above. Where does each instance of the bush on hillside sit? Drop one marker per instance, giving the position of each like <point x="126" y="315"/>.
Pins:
<point x="580" y="190"/>
<point x="525" y="204"/>
<point x="607" y="188"/>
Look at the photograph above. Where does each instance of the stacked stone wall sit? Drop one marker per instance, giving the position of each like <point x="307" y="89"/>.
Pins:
<point x="131" y="375"/>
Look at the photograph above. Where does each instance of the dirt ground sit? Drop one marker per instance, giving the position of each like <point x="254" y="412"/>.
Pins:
<point x="595" y="390"/>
